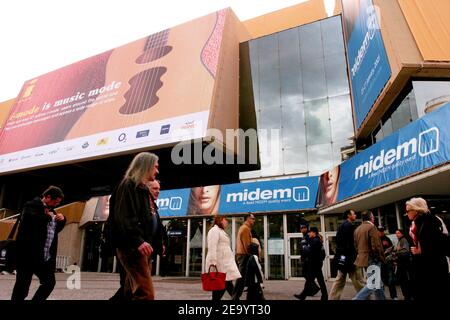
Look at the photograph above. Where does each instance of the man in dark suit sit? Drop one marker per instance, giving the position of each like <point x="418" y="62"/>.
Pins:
<point x="37" y="243"/>
<point x="370" y="255"/>
<point x="345" y="257"/>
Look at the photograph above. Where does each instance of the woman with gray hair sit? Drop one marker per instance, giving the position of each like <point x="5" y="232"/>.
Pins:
<point x="133" y="228"/>
<point x="430" y="268"/>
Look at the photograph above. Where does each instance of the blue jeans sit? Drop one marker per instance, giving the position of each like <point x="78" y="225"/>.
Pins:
<point x="374" y="283"/>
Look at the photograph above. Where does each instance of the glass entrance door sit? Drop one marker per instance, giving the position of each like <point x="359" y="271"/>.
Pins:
<point x="176" y="248"/>
<point x="295" y="267"/>
<point x="330" y="249"/>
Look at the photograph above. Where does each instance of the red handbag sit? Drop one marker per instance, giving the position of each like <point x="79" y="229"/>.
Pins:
<point x="213" y="281"/>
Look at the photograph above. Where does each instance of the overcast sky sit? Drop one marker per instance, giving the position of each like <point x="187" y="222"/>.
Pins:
<point x="38" y="36"/>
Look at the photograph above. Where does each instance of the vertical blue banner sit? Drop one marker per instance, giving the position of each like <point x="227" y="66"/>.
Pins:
<point x="367" y="60"/>
<point x="420" y="145"/>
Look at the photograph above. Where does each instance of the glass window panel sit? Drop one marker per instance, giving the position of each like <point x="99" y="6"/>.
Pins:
<point x="341" y="118"/>
<point x="332" y="36"/>
<point x="413" y="106"/>
<point x="268" y="49"/>
<point x="258" y="118"/>
<point x="254" y="65"/>
<point x="270" y="148"/>
<point x="378" y="136"/>
<point x="258" y="227"/>
<point x="336" y="74"/>
<point x="289" y="46"/>
<point x="317" y="122"/>
<point x="293" y="221"/>
<point x="314" y="83"/>
<point x="272" y="163"/>
<point x="332" y="222"/>
<point x="290" y="74"/>
<point x="293" y="123"/>
<point x="338" y="147"/>
<point x="269" y="89"/>
<point x="387" y="127"/>
<point x="276" y="248"/>
<point x="429" y="93"/>
<point x="195" y="248"/>
<point x="319" y="158"/>
<point x="310" y="42"/>
<point x="295" y="160"/>
<point x="291" y="84"/>
<point x="176" y="247"/>
<point x="269" y="80"/>
<point x="402" y="116"/>
<point x="270" y="119"/>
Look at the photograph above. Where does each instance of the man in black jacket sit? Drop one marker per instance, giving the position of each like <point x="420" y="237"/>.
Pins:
<point x="134" y="226"/>
<point x="315" y="254"/>
<point x="345" y="257"/>
<point x="37" y="243"/>
<point x="304" y="229"/>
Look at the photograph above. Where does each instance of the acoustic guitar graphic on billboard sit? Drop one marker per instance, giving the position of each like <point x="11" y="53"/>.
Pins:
<point x="168" y="74"/>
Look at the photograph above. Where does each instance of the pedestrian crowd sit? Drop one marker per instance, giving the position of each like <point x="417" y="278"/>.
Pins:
<point x="133" y="232"/>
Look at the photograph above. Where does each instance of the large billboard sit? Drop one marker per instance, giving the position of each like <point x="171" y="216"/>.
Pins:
<point x="265" y="196"/>
<point x="367" y="60"/>
<point x="154" y="91"/>
<point x="420" y="145"/>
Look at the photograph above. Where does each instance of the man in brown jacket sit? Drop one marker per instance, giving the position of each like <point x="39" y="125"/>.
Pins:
<point x="370" y="255"/>
<point x="243" y="241"/>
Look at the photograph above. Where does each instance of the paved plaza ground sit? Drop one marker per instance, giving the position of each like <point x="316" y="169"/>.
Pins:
<point x="101" y="286"/>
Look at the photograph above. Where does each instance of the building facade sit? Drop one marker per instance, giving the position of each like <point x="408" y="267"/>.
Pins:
<point x="357" y="91"/>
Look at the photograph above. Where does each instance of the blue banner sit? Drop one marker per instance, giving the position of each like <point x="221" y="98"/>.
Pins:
<point x="275" y="195"/>
<point x="418" y="146"/>
<point x="367" y="60"/>
<point x="173" y="203"/>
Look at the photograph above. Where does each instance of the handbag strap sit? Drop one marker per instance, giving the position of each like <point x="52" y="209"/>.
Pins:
<point x="213" y="266"/>
<point x="13" y="230"/>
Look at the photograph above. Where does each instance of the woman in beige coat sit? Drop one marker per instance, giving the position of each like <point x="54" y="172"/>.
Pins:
<point x="221" y="256"/>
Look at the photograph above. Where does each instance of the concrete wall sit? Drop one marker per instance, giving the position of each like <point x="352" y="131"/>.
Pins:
<point x="69" y="242"/>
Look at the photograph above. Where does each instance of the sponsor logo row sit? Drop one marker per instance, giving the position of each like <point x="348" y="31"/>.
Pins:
<point x="103" y="141"/>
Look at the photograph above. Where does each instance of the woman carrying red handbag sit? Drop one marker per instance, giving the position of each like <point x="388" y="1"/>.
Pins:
<point x="220" y="255"/>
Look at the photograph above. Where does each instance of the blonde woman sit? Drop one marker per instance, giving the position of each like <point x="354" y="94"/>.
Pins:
<point x="429" y="263"/>
<point x="221" y="256"/>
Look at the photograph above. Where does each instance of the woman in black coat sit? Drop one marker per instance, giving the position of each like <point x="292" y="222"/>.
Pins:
<point x="429" y="263"/>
